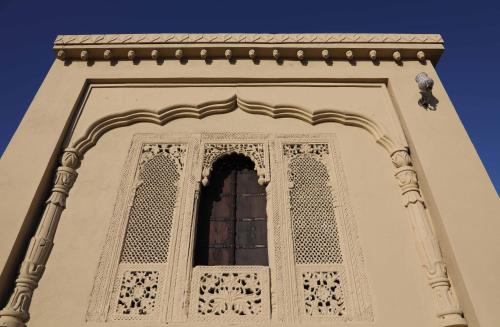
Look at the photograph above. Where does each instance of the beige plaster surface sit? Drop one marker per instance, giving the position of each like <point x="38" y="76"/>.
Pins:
<point x="461" y="199"/>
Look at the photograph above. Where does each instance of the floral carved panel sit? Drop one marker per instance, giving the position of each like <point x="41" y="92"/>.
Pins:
<point x="138" y="293"/>
<point x="230" y="293"/>
<point x="323" y="294"/>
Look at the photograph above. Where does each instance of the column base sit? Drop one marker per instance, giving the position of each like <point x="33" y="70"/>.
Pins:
<point x="453" y="320"/>
<point x="10" y="321"/>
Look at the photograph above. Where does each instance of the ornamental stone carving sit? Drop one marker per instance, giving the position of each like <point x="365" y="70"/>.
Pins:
<point x="230" y="293"/>
<point x="138" y="292"/>
<point x="319" y="150"/>
<point x="448" y="309"/>
<point x="323" y="294"/>
<point x="324" y="235"/>
<point x="16" y="312"/>
<point x="135" y="259"/>
<point x="177" y="152"/>
<point x="255" y="151"/>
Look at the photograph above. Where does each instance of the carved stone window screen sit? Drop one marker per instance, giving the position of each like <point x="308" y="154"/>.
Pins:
<point x="324" y="293"/>
<point x="230" y="294"/>
<point x="321" y="147"/>
<point x="154" y="172"/>
<point x="147" y="237"/>
<point x="176" y="301"/>
<point x="138" y="292"/>
<point x="312" y="205"/>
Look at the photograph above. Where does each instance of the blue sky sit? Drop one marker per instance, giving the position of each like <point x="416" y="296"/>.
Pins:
<point x="471" y="30"/>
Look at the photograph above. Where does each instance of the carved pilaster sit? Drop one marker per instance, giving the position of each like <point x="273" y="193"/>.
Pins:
<point x="448" y="309"/>
<point x="16" y="312"/>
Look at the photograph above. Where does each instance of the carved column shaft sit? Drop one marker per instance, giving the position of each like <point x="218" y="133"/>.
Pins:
<point x="448" y="309"/>
<point x="16" y="312"/>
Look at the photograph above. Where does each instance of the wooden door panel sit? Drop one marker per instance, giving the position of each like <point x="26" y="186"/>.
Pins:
<point x="251" y="257"/>
<point x="251" y="206"/>
<point x="247" y="182"/>
<point x="223" y="208"/>
<point x="251" y="234"/>
<point x="220" y="257"/>
<point x="221" y="233"/>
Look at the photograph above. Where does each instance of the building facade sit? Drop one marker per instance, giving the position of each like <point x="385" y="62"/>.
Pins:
<point x="246" y="179"/>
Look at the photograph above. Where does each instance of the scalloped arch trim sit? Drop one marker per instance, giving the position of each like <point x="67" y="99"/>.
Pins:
<point x="163" y="116"/>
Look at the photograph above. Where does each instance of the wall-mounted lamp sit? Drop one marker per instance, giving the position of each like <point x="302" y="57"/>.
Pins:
<point x="425" y="84"/>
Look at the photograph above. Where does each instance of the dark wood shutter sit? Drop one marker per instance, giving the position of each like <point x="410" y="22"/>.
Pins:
<point x="232" y="222"/>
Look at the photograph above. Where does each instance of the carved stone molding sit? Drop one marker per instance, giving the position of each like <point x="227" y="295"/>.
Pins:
<point x="298" y="47"/>
<point x="447" y="306"/>
<point x="246" y="38"/>
<point x="165" y="115"/>
<point x="16" y="312"/>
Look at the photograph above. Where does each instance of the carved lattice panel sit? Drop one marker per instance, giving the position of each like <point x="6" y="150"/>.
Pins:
<point x="312" y="206"/>
<point x="323" y="291"/>
<point x="146" y="244"/>
<point x="138" y="293"/>
<point x="149" y="227"/>
<point x="230" y="293"/>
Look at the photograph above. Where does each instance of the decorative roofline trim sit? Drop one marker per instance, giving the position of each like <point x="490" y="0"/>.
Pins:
<point x="168" y="38"/>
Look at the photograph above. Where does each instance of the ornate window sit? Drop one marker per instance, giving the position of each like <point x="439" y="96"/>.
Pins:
<point x="201" y="233"/>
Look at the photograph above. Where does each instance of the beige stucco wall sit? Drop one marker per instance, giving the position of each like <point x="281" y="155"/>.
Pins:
<point x="461" y="199"/>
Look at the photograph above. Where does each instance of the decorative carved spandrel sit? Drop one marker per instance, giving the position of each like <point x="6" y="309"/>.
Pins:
<point x="255" y="151"/>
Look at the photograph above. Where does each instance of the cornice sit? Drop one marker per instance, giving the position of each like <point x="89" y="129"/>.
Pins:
<point x="324" y="46"/>
<point x="246" y="38"/>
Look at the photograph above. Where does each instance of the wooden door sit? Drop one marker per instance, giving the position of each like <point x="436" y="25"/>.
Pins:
<point x="232" y="222"/>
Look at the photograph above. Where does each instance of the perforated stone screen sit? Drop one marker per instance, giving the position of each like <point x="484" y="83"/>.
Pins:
<point x="315" y="234"/>
<point x="150" y="221"/>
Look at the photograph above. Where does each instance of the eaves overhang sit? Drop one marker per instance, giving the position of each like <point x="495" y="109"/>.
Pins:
<point x="323" y="46"/>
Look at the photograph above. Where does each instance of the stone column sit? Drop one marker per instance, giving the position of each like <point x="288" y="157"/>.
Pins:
<point x="431" y="259"/>
<point x="16" y="312"/>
